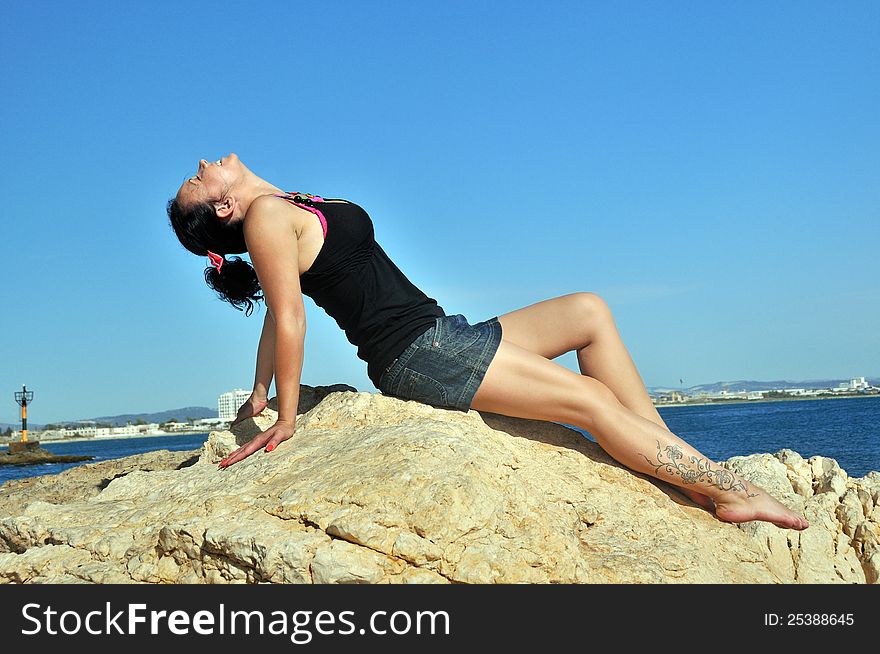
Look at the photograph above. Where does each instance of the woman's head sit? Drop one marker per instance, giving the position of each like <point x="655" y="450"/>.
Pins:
<point x="219" y="184"/>
<point x="207" y="215"/>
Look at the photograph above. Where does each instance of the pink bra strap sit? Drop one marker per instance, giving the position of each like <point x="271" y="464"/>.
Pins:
<point x="314" y="210"/>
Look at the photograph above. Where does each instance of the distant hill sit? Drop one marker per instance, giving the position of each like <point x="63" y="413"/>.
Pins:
<point x="123" y="419"/>
<point x="161" y="416"/>
<point x="751" y="385"/>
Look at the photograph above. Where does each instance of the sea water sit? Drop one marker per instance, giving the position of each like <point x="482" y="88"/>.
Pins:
<point x="845" y="429"/>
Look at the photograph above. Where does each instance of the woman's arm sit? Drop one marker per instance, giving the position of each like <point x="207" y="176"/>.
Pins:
<point x="265" y="359"/>
<point x="270" y="235"/>
<point x="263" y="377"/>
<point x="290" y="336"/>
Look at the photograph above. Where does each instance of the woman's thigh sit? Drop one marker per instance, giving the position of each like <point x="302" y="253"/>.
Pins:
<point x="558" y="325"/>
<point x="523" y="384"/>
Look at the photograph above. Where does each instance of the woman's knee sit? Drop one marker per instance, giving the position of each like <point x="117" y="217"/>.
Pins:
<point x="593" y="314"/>
<point x="593" y="306"/>
<point x="594" y="401"/>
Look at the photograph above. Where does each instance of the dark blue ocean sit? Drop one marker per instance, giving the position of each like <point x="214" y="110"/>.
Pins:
<point x="845" y="429"/>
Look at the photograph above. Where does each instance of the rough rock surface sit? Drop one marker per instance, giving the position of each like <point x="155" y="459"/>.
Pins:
<point x="37" y="455"/>
<point x="85" y="481"/>
<point x="374" y="489"/>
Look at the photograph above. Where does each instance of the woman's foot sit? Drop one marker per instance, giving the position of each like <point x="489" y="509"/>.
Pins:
<point x="736" y="507"/>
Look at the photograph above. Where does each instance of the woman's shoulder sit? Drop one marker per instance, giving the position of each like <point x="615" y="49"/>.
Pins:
<point x="299" y="207"/>
<point x="270" y="203"/>
<point x="268" y="210"/>
<point x="276" y="205"/>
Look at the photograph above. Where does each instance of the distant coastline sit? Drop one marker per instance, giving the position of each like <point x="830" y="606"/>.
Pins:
<point x="766" y="399"/>
<point x="115" y="437"/>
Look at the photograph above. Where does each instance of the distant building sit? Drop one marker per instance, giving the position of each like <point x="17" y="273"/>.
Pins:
<point x="87" y="431"/>
<point x="209" y="422"/>
<point x="229" y="403"/>
<point x="668" y="398"/>
<point x="173" y="425"/>
<point x="110" y="432"/>
<point x="854" y="384"/>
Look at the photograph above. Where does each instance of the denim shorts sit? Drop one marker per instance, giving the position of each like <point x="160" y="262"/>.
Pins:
<point x="445" y="365"/>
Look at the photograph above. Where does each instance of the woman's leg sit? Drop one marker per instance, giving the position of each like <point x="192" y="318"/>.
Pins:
<point x="524" y="384"/>
<point x="583" y="322"/>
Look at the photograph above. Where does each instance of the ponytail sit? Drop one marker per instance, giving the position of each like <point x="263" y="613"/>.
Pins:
<point x="199" y="231"/>
<point x="236" y="282"/>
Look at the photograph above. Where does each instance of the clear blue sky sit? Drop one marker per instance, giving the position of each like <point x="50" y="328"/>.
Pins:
<point x="711" y="169"/>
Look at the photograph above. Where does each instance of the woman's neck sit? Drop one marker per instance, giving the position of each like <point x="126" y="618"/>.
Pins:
<point x="253" y="189"/>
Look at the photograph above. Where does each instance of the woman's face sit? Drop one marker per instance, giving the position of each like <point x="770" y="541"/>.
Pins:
<point x="212" y="180"/>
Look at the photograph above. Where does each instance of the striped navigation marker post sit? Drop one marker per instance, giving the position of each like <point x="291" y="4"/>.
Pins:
<point x="23" y="398"/>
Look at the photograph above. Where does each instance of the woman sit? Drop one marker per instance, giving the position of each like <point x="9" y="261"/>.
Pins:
<point x="300" y="244"/>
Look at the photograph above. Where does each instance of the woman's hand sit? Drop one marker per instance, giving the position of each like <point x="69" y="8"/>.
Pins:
<point x="277" y="433"/>
<point x="253" y="407"/>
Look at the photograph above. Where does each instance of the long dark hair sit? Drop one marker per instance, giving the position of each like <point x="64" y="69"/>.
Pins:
<point x="198" y="230"/>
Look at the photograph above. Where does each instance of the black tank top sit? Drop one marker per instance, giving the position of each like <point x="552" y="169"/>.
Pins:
<point x="359" y="286"/>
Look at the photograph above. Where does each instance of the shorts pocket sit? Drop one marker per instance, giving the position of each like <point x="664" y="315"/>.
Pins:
<point x="392" y="371"/>
<point x="422" y="388"/>
<point x="386" y="377"/>
<point x="457" y="336"/>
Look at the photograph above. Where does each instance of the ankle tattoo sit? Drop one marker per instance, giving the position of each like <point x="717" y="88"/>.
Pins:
<point x="670" y="460"/>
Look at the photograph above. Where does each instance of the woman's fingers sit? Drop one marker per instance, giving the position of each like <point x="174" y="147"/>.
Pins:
<point x="245" y="450"/>
<point x="271" y="438"/>
<point x="235" y="457"/>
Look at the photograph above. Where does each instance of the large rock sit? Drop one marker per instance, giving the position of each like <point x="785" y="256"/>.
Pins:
<point x="373" y="489"/>
<point x="34" y="455"/>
